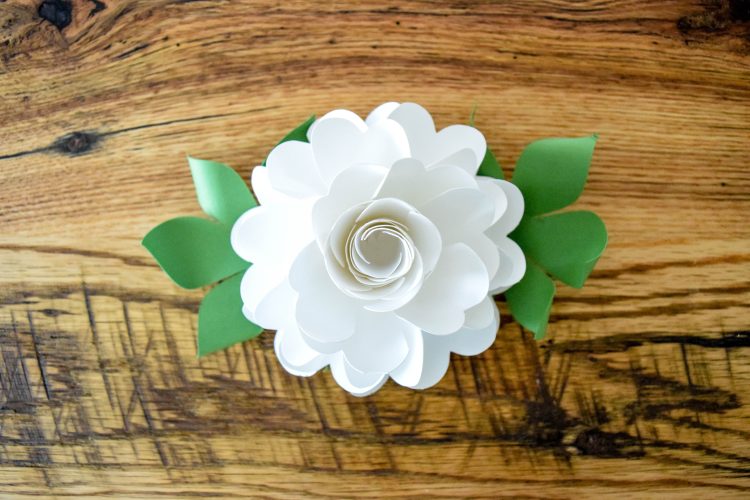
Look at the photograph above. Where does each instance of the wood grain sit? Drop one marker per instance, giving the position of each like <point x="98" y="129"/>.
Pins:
<point x="642" y="388"/>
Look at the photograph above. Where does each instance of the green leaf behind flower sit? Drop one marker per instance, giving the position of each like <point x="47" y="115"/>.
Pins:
<point x="193" y="252"/>
<point x="222" y="194"/>
<point x="220" y="319"/>
<point x="551" y="172"/>
<point x="567" y="245"/>
<point x="530" y="300"/>
<point x="490" y="167"/>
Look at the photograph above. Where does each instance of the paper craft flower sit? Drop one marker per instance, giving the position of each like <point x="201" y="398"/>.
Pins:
<point x="378" y="245"/>
<point x="376" y="249"/>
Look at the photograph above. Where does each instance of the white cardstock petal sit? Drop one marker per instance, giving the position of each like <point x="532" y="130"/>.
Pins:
<point x="470" y="341"/>
<point x="508" y="221"/>
<point x="512" y="266"/>
<point x="351" y="187"/>
<point x="453" y="139"/>
<point x="494" y="192"/>
<point x="379" y="345"/>
<point x="295" y="355"/>
<point x="458" y="282"/>
<point x="356" y="383"/>
<point x="381" y="113"/>
<point x="323" y="312"/>
<point x="292" y="170"/>
<point x="460" y="213"/>
<point x="436" y="360"/>
<point x="272" y="234"/>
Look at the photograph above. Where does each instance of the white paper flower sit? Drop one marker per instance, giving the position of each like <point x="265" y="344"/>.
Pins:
<point x="376" y="248"/>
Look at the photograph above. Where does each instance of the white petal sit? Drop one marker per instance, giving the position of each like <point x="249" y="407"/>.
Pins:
<point x="433" y="149"/>
<point x="427" y="362"/>
<point x="419" y="128"/>
<point x="436" y="360"/>
<point x="494" y="192"/>
<point x="512" y="266"/>
<point x="427" y="240"/>
<point x="381" y="112"/>
<point x="458" y="283"/>
<point x="295" y="355"/>
<point x="258" y="283"/>
<point x="335" y="143"/>
<point x="459" y="213"/>
<point x="342" y="114"/>
<point x="390" y="208"/>
<point x="356" y="383"/>
<point x="264" y="193"/>
<point x="384" y="143"/>
<point x="292" y="170"/>
<point x="486" y="249"/>
<point x="410" y="181"/>
<point x="471" y="341"/>
<point x="409" y="371"/>
<point x="323" y="312"/>
<point x="379" y="344"/>
<point x="338" y="143"/>
<point x="403" y="178"/>
<point x="512" y="215"/>
<point x="464" y="159"/>
<point x="272" y="234"/>
<point x="482" y="314"/>
<point x="452" y="139"/>
<point x="272" y="311"/>
<point x="352" y="186"/>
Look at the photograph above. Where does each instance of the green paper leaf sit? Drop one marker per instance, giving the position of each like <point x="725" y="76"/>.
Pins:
<point x="551" y="172"/>
<point x="530" y="300"/>
<point x="222" y="193"/>
<point x="220" y="319"/>
<point x="298" y="134"/>
<point x="566" y="245"/>
<point x="194" y="252"/>
<point x="490" y="167"/>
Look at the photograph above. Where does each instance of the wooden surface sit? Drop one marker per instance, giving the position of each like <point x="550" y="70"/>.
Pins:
<point x="643" y="386"/>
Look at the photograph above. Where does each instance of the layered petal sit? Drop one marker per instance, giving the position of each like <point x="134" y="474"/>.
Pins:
<point x="323" y="312"/>
<point x="511" y="216"/>
<point x="428" y="356"/>
<point x="355" y="382"/>
<point x="341" y="141"/>
<point x="266" y="296"/>
<point x="348" y="189"/>
<point x="272" y="234"/>
<point x="458" y="283"/>
<point x="426" y="364"/>
<point x="379" y="344"/>
<point x="512" y="266"/>
<point x="444" y="147"/>
<point x="292" y="170"/>
<point x="295" y="355"/>
<point x="479" y="331"/>
<point x="409" y="180"/>
<point x="460" y="214"/>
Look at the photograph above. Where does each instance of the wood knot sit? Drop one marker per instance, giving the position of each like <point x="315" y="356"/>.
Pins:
<point x="57" y="12"/>
<point x="76" y="143"/>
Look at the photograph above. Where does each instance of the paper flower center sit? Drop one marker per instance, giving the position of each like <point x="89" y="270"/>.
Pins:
<point x="379" y="252"/>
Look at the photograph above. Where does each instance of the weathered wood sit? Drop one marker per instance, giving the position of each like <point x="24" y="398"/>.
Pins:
<point x="642" y="388"/>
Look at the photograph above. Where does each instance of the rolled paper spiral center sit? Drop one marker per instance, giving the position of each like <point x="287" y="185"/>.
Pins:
<point x="379" y="252"/>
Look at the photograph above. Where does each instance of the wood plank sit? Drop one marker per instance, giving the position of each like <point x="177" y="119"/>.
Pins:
<point x="642" y="387"/>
